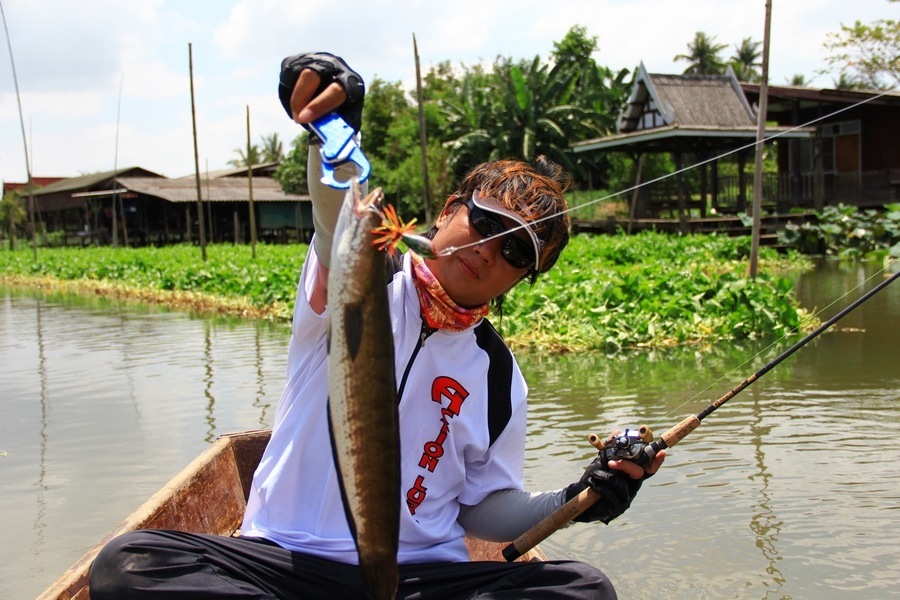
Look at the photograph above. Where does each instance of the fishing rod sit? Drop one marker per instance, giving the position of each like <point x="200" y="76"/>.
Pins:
<point x="639" y="446"/>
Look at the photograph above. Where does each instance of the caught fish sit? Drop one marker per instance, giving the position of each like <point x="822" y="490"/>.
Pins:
<point x="362" y="403"/>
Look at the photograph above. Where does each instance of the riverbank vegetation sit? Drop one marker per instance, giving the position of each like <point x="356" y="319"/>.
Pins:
<point x="606" y="292"/>
<point x="848" y="232"/>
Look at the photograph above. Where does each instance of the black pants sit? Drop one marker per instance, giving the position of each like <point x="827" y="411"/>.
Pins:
<point x="172" y="564"/>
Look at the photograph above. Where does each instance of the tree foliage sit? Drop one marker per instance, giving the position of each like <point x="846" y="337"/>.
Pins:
<point x="271" y="150"/>
<point x="12" y="214"/>
<point x="866" y="55"/>
<point x="510" y="109"/>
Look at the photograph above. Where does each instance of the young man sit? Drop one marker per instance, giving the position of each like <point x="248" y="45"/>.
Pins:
<point x="296" y="541"/>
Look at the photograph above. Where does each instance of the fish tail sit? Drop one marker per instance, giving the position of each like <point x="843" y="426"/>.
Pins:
<point x="381" y="579"/>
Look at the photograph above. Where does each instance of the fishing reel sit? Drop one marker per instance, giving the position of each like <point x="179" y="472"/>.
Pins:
<point x="632" y="444"/>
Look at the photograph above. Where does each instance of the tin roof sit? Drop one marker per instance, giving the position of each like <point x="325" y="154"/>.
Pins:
<point x="86" y="182"/>
<point x="223" y="189"/>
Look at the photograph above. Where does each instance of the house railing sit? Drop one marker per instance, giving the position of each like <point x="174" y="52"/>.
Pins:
<point x="781" y="193"/>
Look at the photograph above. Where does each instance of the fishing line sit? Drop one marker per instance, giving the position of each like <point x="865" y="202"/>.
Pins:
<point x="784" y="337"/>
<point x="452" y="249"/>
<point x="642" y="447"/>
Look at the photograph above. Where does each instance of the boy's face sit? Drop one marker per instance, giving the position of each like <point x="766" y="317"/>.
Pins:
<point x="475" y="275"/>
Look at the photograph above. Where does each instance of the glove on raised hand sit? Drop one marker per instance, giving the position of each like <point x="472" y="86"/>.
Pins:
<point x="330" y="68"/>
<point x="326" y="200"/>
<point x="616" y="489"/>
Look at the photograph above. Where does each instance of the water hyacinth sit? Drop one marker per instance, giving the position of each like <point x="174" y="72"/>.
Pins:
<point x="606" y="293"/>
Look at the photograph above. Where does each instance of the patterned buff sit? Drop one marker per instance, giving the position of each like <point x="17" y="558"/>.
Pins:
<point x="439" y="311"/>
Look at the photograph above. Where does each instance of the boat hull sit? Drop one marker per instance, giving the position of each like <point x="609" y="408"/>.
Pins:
<point x="209" y="496"/>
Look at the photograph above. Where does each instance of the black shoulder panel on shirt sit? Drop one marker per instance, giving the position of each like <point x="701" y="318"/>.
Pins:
<point x="500" y="371"/>
<point x="393" y="264"/>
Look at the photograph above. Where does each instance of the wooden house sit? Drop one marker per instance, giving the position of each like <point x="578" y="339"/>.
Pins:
<point x="702" y="122"/>
<point x="829" y="146"/>
<point x="854" y="156"/>
<point x="134" y="206"/>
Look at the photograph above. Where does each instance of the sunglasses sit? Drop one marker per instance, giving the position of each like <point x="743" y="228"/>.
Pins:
<point x="515" y="251"/>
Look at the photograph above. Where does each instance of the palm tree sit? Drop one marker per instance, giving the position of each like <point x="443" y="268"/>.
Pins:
<point x="272" y="148"/>
<point x="703" y="56"/>
<point x="241" y="161"/>
<point x="798" y="80"/>
<point x="745" y="61"/>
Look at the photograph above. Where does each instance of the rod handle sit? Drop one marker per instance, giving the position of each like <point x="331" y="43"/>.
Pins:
<point x="680" y="431"/>
<point x="549" y="524"/>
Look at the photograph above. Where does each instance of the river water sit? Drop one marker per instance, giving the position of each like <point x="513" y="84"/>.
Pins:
<point x="790" y="490"/>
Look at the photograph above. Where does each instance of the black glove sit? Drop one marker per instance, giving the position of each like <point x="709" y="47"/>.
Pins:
<point x="616" y="489"/>
<point x="330" y="68"/>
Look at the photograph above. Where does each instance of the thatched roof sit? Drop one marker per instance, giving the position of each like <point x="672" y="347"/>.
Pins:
<point x="686" y="101"/>
<point x="684" y="110"/>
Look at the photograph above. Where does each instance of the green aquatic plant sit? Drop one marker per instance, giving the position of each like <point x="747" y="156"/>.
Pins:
<point x="606" y="292"/>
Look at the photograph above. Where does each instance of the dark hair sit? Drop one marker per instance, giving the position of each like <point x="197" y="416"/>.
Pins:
<point x="533" y="190"/>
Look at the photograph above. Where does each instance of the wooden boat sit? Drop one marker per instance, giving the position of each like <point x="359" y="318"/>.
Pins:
<point x="209" y="496"/>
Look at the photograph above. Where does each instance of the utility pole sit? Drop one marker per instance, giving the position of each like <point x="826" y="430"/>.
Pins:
<point x="760" y="140"/>
<point x="200" y="223"/>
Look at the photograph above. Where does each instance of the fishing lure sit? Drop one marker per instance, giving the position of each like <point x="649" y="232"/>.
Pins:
<point x="394" y="230"/>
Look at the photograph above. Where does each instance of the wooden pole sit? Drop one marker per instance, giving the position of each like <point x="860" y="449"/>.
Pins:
<point x="122" y="216"/>
<point x="116" y="200"/>
<point x="635" y="195"/>
<point x="250" y="185"/>
<point x="200" y="221"/>
<point x="24" y="139"/>
<point x="13" y="205"/>
<point x="760" y="138"/>
<point x="422" y="136"/>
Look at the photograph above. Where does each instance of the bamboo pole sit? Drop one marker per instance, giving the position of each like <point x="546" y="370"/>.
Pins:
<point x="200" y="220"/>
<point x="635" y="195"/>
<point x="24" y="139"/>
<point x="422" y="135"/>
<point x="116" y="200"/>
<point x="250" y="185"/>
<point x="760" y="138"/>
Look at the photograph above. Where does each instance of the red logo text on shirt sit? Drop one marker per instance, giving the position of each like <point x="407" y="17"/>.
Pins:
<point x="443" y="388"/>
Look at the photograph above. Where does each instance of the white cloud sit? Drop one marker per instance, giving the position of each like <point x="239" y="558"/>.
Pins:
<point x="72" y="55"/>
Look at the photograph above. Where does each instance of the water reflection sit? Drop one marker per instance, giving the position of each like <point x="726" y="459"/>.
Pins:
<point x="40" y="525"/>
<point x="786" y="491"/>
<point x="101" y="403"/>
<point x="765" y="523"/>
<point x="781" y="493"/>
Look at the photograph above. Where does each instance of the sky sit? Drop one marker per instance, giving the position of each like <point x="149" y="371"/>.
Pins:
<point x="106" y="83"/>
